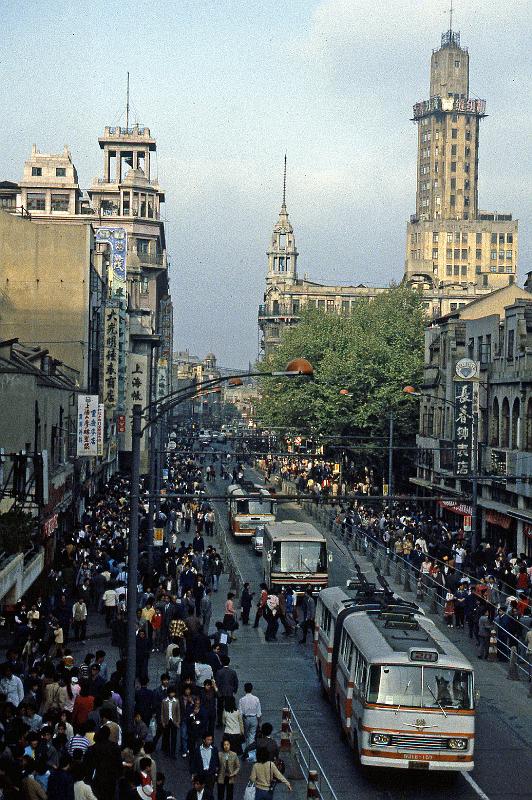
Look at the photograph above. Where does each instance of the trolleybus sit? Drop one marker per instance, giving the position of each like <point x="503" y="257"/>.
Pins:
<point x="294" y="556"/>
<point x="249" y="505"/>
<point x="403" y="692"/>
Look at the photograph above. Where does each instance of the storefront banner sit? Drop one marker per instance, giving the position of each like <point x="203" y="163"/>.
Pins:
<point x="87" y="425"/>
<point x="463" y="427"/>
<point x="457" y="508"/>
<point x="100" y="427"/>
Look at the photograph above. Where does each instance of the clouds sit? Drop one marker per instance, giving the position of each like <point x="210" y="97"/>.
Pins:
<point x="227" y="88"/>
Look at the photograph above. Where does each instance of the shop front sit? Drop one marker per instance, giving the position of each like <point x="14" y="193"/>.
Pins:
<point x="455" y="515"/>
<point x="500" y="530"/>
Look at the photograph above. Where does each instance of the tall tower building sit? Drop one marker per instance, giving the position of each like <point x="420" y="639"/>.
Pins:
<point x="450" y="242"/>
<point x="282" y="253"/>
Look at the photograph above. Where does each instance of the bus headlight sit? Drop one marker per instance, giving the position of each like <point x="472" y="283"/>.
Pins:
<point x="457" y="744"/>
<point x="380" y="738"/>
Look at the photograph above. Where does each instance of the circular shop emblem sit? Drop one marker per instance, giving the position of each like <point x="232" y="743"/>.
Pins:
<point x="466" y="368"/>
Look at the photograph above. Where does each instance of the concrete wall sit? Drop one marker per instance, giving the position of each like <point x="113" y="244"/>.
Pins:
<point x="44" y="286"/>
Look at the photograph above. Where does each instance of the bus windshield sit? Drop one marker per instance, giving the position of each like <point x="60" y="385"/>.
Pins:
<point x="299" y="557"/>
<point x="254" y="507"/>
<point x="420" y="686"/>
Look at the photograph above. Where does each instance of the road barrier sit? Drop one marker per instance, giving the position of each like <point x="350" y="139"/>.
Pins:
<point x="318" y="784"/>
<point x="286" y="731"/>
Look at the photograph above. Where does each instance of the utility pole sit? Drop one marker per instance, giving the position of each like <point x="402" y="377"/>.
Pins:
<point x="132" y="568"/>
<point x="390" y="462"/>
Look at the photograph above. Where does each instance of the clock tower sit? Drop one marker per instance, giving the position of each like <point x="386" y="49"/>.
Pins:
<point x="282" y="254"/>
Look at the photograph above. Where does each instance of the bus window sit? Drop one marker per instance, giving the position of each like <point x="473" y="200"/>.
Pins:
<point x="346" y="649"/>
<point x="395" y="685"/>
<point x="326" y="619"/>
<point x="254" y="507"/>
<point x="449" y="688"/>
<point x="300" y="557"/>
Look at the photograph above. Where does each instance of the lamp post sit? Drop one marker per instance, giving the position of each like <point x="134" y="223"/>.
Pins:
<point x="297" y="368"/>
<point x="410" y="390"/>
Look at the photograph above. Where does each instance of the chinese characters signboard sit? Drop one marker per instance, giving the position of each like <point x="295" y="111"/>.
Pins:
<point x="137" y="389"/>
<point x="87" y="427"/>
<point x="111" y="357"/>
<point x="116" y="238"/>
<point x="463" y="426"/>
<point x="100" y="427"/>
<point x="467" y="105"/>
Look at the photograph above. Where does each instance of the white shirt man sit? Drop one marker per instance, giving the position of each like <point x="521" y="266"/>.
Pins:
<point x="249" y="707"/>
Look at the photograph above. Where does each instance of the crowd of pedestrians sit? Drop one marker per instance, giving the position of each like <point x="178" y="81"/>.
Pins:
<point x="61" y="698"/>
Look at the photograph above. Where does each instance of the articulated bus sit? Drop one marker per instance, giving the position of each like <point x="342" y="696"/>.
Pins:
<point x="249" y="505"/>
<point x="294" y="556"/>
<point x="403" y="692"/>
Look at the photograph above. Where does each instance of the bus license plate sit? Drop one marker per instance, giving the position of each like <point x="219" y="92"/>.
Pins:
<point x="417" y="760"/>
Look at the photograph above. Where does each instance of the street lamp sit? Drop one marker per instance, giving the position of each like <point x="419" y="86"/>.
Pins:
<point x="410" y="390"/>
<point x="297" y="368"/>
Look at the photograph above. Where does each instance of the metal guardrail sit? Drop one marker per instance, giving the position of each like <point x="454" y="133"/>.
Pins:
<point x="513" y="650"/>
<point x="306" y="757"/>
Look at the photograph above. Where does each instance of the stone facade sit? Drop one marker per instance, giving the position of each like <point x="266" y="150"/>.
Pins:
<point x="496" y="332"/>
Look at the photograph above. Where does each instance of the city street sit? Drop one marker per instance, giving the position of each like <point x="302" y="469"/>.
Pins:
<point x="503" y="768"/>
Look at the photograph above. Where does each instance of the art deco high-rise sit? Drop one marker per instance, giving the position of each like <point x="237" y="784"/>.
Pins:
<point x="450" y="242"/>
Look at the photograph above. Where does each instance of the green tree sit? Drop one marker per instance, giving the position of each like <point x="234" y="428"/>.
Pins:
<point x="372" y="353"/>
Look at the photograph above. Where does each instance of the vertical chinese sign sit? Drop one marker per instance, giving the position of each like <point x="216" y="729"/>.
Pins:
<point x="463" y="422"/>
<point x="87" y="425"/>
<point x="137" y="389"/>
<point x="111" y="358"/>
<point x="100" y="428"/>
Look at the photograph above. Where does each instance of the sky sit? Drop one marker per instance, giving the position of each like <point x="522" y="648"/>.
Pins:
<point x="227" y="87"/>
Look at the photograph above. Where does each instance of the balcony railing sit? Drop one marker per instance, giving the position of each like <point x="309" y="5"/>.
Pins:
<point x="278" y="312"/>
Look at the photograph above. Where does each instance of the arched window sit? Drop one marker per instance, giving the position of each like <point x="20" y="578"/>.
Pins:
<point x="505" y="423"/>
<point x="516" y="424"/>
<point x="494" y="424"/>
<point x="528" y="443"/>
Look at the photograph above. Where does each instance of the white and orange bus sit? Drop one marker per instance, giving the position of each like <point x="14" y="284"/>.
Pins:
<point x="403" y="692"/>
<point x="248" y="506"/>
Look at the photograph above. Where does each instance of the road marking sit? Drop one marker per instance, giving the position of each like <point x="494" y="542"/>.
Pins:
<point x="474" y="785"/>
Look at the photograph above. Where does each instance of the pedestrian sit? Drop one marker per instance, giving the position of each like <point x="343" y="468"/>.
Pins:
<point x="228" y="769"/>
<point x="309" y="615"/>
<point x="448" y="609"/>
<point x="205" y="607"/>
<point x="233" y="725"/>
<point x="79" y="620"/>
<point x="263" y="774"/>
<point x="205" y="759"/>
<point x="246" y="600"/>
<point x="170" y="722"/>
<point x="261" y="605"/>
<point x="227" y="686"/>
<point x="249" y="707"/>
<point x="484" y="632"/>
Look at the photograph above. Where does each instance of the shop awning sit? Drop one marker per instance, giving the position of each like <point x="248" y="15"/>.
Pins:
<point x="496" y="518"/>
<point x="457" y="508"/>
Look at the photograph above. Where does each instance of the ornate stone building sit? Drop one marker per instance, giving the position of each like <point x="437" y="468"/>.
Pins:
<point x="455" y="253"/>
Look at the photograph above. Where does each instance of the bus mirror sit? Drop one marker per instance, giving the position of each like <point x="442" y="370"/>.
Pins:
<point x="330" y="557"/>
<point x="477" y="695"/>
<point x="269" y="556"/>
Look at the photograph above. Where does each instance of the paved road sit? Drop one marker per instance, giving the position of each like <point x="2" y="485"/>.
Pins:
<point x="503" y="758"/>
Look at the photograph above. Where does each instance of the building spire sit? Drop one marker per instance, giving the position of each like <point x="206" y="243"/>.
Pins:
<point x="127" y="102"/>
<point x="451" y="16"/>
<point x="284" y="184"/>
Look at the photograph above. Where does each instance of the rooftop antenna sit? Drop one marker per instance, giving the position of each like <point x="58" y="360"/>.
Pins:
<point x="127" y="103"/>
<point x="451" y="16"/>
<point x="284" y="183"/>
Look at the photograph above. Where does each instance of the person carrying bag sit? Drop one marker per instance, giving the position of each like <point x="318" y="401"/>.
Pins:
<point x="264" y="776"/>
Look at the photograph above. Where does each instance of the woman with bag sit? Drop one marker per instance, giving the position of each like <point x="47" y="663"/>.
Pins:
<point x="229" y="769"/>
<point x="265" y="775"/>
<point x="233" y="725"/>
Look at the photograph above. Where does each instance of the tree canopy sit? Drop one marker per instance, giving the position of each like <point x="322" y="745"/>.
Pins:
<point x="372" y="353"/>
